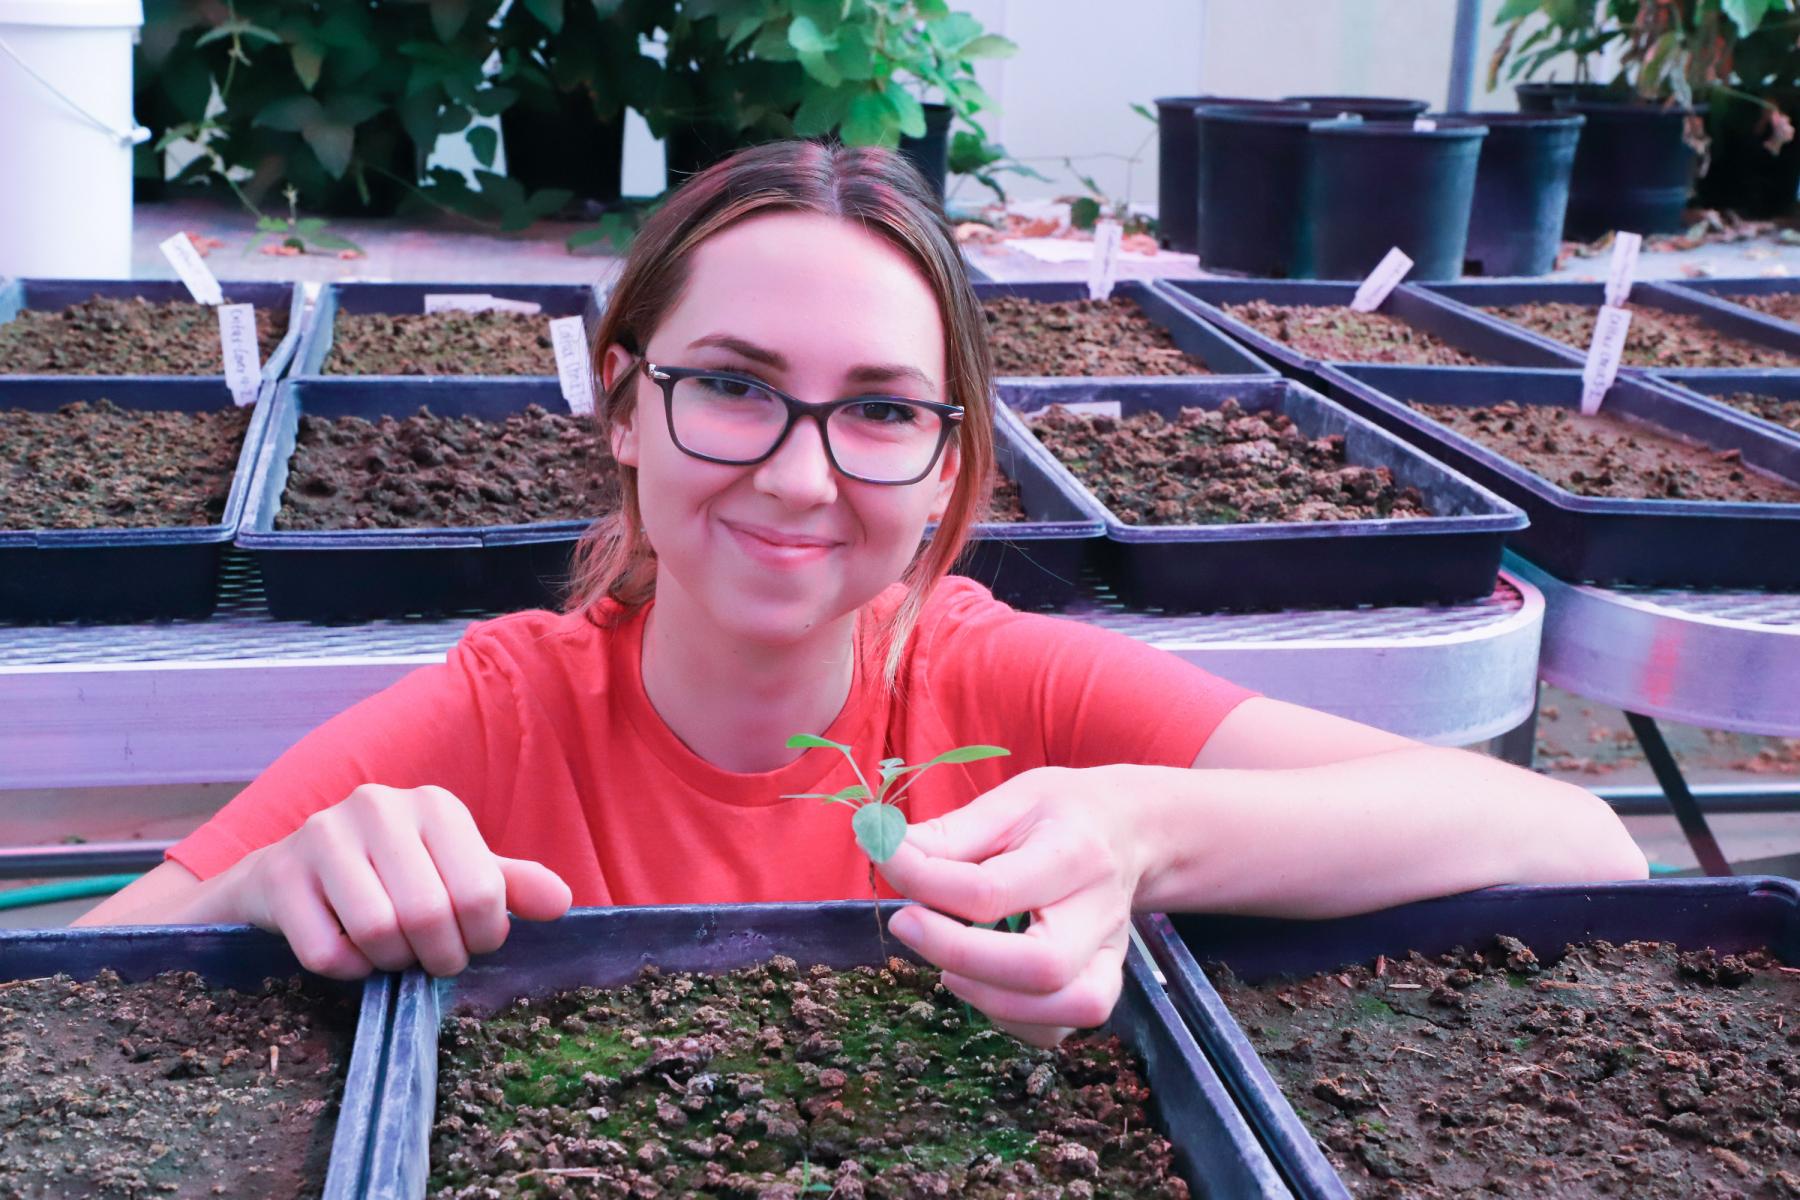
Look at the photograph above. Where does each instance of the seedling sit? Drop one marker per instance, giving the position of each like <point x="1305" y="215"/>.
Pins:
<point x="878" y="822"/>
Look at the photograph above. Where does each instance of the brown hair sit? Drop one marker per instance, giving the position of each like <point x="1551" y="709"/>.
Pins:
<point x="881" y="192"/>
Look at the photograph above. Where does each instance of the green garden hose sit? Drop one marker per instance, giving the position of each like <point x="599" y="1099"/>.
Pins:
<point x="64" y="889"/>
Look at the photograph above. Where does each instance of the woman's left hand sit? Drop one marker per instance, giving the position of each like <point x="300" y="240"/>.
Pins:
<point x="1056" y="843"/>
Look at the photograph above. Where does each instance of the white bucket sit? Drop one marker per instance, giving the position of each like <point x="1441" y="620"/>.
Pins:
<point x="65" y="137"/>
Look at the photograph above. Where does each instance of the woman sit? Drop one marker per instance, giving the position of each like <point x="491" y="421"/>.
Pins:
<point x="796" y="381"/>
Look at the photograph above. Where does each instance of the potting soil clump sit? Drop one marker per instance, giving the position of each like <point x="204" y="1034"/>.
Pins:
<point x="1623" y="1071"/>
<point x="430" y="470"/>
<point x="1081" y="337"/>
<point x="1656" y="338"/>
<point x="444" y="343"/>
<point x="167" y="1088"/>
<point x="96" y="465"/>
<point x="1782" y="411"/>
<point x="1606" y="455"/>
<point x="776" y="1082"/>
<point x="1785" y="305"/>
<point x="106" y="336"/>
<point x="1334" y="333"/>
<point x="1219" y="467"/>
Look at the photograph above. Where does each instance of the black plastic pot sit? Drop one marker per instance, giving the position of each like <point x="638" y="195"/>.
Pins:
<point x="557" y="141"/>
<point x="931" y="153"/>
<point x="1547" y="97"/>
<point x="1521" y="192"/>
<point x="1177" y="166"/>
<point x="1370" y="108"/>
<point x="1252" y="164"/>
<point x="1374" y="185"/>
<point x="1632" y="169"/>
<point x="1743" y="176"/>
<point x="690" y="149"/>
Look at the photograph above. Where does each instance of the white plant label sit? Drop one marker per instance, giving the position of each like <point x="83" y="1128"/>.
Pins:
<point x="1103" y="267"/>
<point x="475" y="302"/>
<point x="1603" y="356"/>
<point x="1090" y="408"/>
<point x="186" y="260"/>
<point x="569" y="336"/>
<point x="1624" y="263"/>
<point x="1383" y="279"/>
<point x="243" y="361"/>
<point x="1424" y="125"/>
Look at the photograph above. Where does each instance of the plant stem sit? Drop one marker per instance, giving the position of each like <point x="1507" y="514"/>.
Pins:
<point x="875" y="907"/>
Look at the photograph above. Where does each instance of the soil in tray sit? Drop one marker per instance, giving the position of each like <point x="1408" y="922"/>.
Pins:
<point x="426" y="470"/>
<point x="96" y="465"/>
<point x="1623" y="1071"/>
<point x="167" y="1088"/>
<point x="1657" y="338"/>
<point x="1333" y="333"/>
<point x="1605" y="455"/>
<point x="773" y="1083"/>
<point x="446" y="343"/>
<point x="109" y="336"/>
<point x="1780" y="410"/>
<point x="1081" y="337"/>
<point x="1007" y="503"/>
<point x="1219" y="466"/>
<point x="1785" y="305"/>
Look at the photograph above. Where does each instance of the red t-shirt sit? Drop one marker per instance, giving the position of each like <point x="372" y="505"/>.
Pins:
<point x="540" y="724"/>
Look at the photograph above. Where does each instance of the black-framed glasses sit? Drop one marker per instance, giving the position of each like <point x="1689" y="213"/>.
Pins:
<point x="726" y="417"/>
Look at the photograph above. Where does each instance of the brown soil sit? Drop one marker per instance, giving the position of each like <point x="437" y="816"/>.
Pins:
<point x="167" y="1088"/>
<point x="447" y="343"/>
<point x="1775" y="409"/>
<point x="1785" y="305"/>
<point x="1007" y="504"/>
<point x="1219" y="467"/>
<point x="773" y="1083"/>
<point x="106" y="336"/>
<point x="427" y="470"/>
<point x="1332" y="333"/>
<point x="1605" y="455"/>
<point x="96" y="465"/>
<point x="1656" y="338"/>
<point x="1633" y="1070"/>
<point x="1081" y="337"/>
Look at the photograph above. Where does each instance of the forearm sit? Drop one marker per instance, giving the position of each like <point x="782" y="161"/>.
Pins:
<point x="171" y="895"/>
<point x="1366" y="834"/>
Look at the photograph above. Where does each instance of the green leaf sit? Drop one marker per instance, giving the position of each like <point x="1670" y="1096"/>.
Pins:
<point x="955" y="31"/>
<point x="1514" y="10"/>
<point x="808" y="741"/>
<point x="849" y="795"/>
<point x="547" y="201"/>
<point x="550" y="12"/>
<point x="819" y="66"/>
<point x="1747" y="14"/>
<point x="240" y="29"/>
<point x="969" y="754"/>
<point x="933" y="10"/>
<point x="1145" y="112"/>
<point x="308" y="62"/>
<point x="350" y="109"/>
<point x="484" y="141"/>
<point x="333" y="143"/>
<point x="911" y="112"/>
<point x="447" y="17"/>
<point x="990" y="45"/>
<point x="491" y="102"/>
<point x="1084" y="212"/>
<point x="821" y="111"/>
<point x="870" y="121"/>
<point x="291" y="114"/>
<point x="332" y="241"/>
<point x="805" y="36"/>
<point x="880" y="828"/>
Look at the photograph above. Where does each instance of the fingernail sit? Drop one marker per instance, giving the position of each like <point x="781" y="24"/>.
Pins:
<point x="904" y="925"/>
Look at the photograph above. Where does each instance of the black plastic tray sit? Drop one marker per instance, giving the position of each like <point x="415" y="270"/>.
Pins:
<point x="1220" y="355"/>
<point x="557" y="299"/>
<point x="347" y="574"/>
<point x="1723" y="292"/>
<point x="606" y="947"/>
<point x="1728" y="319"/>
<point x="1702" y="387"/>
<point x="40" y="294"/>
<point x="1598" y="539"/>
<point x="1483" y="337"/>
<point x="1035" y="563"/>
<point x="1730" y="915"/>
<point x="235" y="957"/>
<point x="122" y="574"/>
<point x="1305" y="564"/>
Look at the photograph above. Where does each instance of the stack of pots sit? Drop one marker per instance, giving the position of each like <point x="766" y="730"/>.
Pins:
<point x="1633" y="169"/>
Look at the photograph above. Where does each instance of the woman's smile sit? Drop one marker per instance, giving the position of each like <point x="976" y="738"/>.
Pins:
<point x="777" y="547"/>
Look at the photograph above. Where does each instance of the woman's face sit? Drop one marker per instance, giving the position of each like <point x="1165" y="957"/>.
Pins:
<point x="822" y="310"/>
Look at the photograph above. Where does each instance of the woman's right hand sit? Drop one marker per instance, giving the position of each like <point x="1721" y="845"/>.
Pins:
<point x="388" y="878"/>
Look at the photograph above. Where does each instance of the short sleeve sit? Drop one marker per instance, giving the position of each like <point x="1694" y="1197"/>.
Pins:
<point x="453" y="725"/>
<point x="1085" y="696"/>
